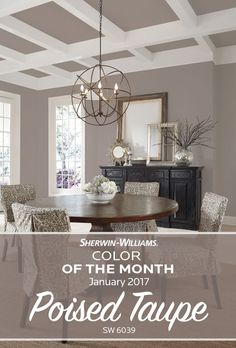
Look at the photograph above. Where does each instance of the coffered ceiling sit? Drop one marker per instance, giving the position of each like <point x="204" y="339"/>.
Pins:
<point x="44" y="44"/>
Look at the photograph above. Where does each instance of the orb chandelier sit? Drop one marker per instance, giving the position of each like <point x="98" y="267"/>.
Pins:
<point x="97" y="90"/>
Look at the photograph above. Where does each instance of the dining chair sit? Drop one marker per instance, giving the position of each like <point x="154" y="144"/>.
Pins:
<point x="30" y="219"/>
<point x="10" y="194"/>
<point x="139" y="188"/>
<point x="196" y="256"/>
<point x="44" y="256"/>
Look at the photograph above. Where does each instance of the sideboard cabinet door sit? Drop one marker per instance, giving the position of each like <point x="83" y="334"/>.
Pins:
<point x="183" y="190"/>
<point x="160" y="175"/>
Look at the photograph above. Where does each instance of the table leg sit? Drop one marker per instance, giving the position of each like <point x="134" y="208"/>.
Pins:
<point x="101" y="228"/>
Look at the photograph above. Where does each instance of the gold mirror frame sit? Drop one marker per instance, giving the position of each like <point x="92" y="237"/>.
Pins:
<point x="164" y="98"/>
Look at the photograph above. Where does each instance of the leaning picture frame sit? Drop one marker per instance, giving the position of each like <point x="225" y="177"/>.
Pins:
<point x="160" y="147"/>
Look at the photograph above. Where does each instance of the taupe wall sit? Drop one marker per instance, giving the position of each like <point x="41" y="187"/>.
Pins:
<point x="225" y="102"/>
<point x="190" y="90"/>
<point x="197" y="90"/>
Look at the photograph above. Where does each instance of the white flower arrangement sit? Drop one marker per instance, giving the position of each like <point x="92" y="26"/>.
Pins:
<point x="100" y="185"/>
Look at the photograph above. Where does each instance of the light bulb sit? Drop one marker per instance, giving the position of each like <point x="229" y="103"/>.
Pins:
<point x="99" y="85"/>
<point x="116" y="88"/>
<point x="82" y="88"/>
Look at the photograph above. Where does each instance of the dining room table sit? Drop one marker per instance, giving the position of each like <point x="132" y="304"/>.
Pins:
<point x="122" y="208"/>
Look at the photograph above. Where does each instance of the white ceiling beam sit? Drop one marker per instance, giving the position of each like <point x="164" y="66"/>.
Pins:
<point x="217" y="22"/>
<point x="21" y="79"/>
<point x="142" y="53"/>
<point x="180" y="56"/>
<point x="8" y="53"/>
<point x="206" y="43"/>
<point x="157" y="34"/>
<point x="55" y="71"/>
<point x="9" y="7"/>
<point x="49" y="82"/>
<point x="90" y="16"/>
<point x="25" y="31"/>
<point x="184" y="11"/>
<point x="88" y="62"/>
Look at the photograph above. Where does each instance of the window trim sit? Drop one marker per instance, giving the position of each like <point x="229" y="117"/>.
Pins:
<point x="15" y="101"/>
<point x="52" y="189"/>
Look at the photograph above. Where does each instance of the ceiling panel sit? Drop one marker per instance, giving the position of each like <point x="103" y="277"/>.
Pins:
<point x="172" y="45"/>
<point x="115" y="55"/>
<point x="34" y="73"/>
<point x="16" y="43"/>
<point x="134" y="14"/>
<point x="71" y="66"/>
<point x="57" y="22"/>
<point x="224" y="39"/>
<point x="207" y="6"/>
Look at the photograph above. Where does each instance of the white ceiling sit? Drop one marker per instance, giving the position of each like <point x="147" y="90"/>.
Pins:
<point x="43" y="43"/>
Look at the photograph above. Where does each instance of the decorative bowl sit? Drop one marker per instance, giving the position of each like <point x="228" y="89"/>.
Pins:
<point x="102" y="198"/>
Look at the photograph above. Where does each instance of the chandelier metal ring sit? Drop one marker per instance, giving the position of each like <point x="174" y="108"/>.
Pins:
<point x="100" y="109"/>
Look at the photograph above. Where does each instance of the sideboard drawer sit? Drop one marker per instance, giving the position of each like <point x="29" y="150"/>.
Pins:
<point x="157" y="174"/>
<point x="114" y="173"/>
<point x="181" y="174"/>
<point x="136" y="174"/>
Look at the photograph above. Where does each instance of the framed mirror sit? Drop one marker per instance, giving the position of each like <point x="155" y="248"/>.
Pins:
<point x="160" y="146"/>
<point x="143" y="110"/>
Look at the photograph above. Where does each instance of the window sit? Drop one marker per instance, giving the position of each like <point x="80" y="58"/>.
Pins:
<point x="66" y="148"/>
<point x="9" y="138"/>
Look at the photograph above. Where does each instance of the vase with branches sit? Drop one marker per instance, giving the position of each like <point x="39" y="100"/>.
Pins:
<point x="190" y="134"/>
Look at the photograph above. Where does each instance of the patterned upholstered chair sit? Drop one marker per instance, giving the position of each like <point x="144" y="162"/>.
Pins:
<point x="10" y="194"/>
<point x="30" y="219"/>
<point x="139" y="188"/>
<point x="44" y="256"/>
<point x="196" y="256"/>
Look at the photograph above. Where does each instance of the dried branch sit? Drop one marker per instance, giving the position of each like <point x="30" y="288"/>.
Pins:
<point x="191" y="134"/>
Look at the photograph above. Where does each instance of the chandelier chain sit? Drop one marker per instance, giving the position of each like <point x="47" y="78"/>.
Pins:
<point x="100" y="32"/>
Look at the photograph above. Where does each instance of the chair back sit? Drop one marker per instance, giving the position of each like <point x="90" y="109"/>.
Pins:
<point x="10" y="194"/>
<point x="40" y="250"/>
<point x="146" y="189"/>
<point x="212" y="212"/>
<point x="142" y="188"/>
<point x="30" y="219"/>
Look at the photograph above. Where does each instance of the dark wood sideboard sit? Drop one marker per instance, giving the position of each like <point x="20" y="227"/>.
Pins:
<point x="182" y="184"/>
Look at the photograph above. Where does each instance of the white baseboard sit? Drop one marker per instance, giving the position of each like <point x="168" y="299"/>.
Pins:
<point x="229" y="220"/>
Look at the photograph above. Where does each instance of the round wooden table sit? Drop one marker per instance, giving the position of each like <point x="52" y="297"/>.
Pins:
<point x="123" y="208"/>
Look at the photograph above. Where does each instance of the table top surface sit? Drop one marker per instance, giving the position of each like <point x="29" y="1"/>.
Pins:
<point x="122" y="208"/>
